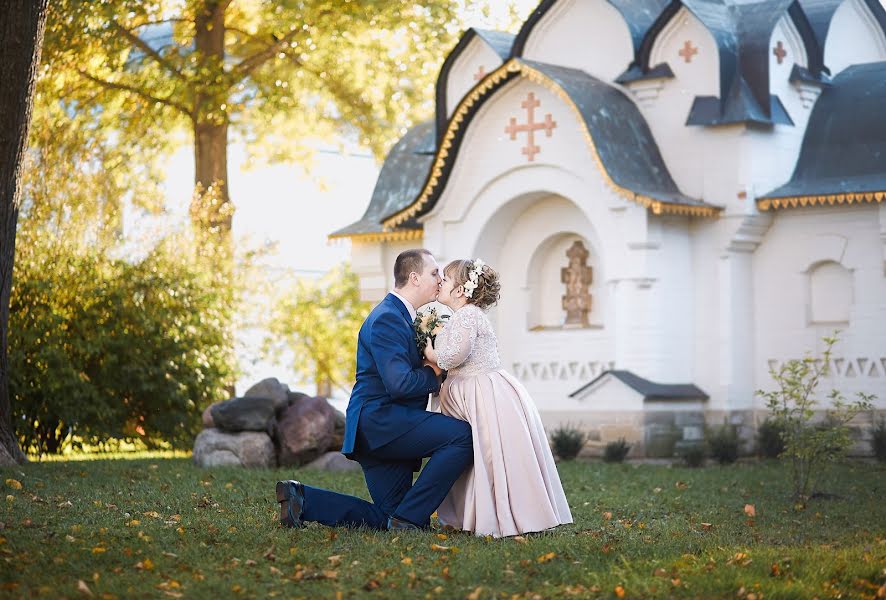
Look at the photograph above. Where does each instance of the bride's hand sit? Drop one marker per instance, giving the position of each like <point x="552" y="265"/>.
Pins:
<point x="430" y="353"/>
<point x="435" y="366"/>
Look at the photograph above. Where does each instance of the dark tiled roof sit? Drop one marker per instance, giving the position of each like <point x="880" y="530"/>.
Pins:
<point x="649" y="389"/>
<point x="399" y="181"/>
<point x="844" y="149"/>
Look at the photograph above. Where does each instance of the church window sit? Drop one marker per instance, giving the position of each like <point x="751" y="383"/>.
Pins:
<point x="830" y="293"/>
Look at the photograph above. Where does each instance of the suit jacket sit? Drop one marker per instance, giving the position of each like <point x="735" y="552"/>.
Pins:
<point x="391" y="392"/>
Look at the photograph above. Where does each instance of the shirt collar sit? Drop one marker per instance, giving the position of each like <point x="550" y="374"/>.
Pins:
<point x="407" y="303"/>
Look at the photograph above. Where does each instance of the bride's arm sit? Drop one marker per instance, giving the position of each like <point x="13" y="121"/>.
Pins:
<point x="455" y="343"/>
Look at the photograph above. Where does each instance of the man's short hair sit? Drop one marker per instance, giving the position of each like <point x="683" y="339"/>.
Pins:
<point x="409" y="261"/>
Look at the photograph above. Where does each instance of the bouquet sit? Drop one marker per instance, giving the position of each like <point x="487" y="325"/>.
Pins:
<point x="427" y="325"/>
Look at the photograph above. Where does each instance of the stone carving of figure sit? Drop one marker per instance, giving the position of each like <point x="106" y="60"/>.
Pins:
<point x="577" y="277"/>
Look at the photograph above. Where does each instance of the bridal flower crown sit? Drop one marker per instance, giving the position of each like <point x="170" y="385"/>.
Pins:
<point x="474" y="277"/>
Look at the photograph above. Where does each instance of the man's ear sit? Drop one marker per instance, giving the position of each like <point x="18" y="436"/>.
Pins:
<point x="414" y="278"/>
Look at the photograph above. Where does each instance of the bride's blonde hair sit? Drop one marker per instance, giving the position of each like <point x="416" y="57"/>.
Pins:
<point x="488" y="287"/>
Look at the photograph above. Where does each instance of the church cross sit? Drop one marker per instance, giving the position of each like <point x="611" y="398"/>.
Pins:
<point x="530" y="127"/>
<point x="578" y="277"/>
<point x="779" y="52"/>
<point x="480" y="74"/>
<point x="688" y="51"/>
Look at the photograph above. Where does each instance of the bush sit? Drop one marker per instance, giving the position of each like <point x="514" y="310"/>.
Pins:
<point x="693" y="455"/>
<point x="809" y="445"/>
<point x="567" y="441"/>
<point x="724" y="444"/>
<point x="770" y="439"/>
<point x="878" y="440"/>
<point x="104" y="349"/>
<point x="616" y="451"/>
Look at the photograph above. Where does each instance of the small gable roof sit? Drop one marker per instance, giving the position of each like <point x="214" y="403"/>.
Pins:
<point x="843" y="156"/>
<point x="399" y="181"/>
<point x="648" y="389"/>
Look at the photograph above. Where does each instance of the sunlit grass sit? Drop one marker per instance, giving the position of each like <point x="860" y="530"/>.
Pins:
<point x="161" y="528"/>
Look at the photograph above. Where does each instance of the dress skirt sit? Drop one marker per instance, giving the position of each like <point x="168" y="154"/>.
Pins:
<point x="513" y="486"/>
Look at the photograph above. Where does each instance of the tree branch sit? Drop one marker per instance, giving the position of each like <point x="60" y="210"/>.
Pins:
<point x="134" y="90"/>
<point x="250" y="63"/>
<point x="146" y="48"/>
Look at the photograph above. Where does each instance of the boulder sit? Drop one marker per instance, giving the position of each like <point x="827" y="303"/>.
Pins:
<point x="305" y="430"/>
<point x="214" y="448"/>
<point x="207" y="417"/>
<point x="270" y="388"/>
<point x="243" y="414"/>
<point x="334" y="461"/>
<point x="338" y="431"/>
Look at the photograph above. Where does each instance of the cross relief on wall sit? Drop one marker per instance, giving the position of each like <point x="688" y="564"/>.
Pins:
<point x="531" y="126"/>
<point x="578" y="277"/>
<point x="688" y="51"/>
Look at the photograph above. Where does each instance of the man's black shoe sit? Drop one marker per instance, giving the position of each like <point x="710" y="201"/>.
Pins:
<point x="397" y="524"/>
<point x="291" y="496"/>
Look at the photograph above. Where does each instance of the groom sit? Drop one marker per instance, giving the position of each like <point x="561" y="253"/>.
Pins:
<point x="387" y="430"/>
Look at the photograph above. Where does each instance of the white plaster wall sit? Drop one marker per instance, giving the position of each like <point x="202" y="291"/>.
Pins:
<point x="798" y="240"/>
<point x="462" y="74"/>
<point x="853" y="37"/>
<point x="373" y="262"/>
<point x="797" y="99"/>
<point x="687" y="151"/>
<point x="589" y="35"/>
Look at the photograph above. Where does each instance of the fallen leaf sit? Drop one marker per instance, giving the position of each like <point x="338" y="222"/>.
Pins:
<point x="146" y="564"/>
<point x="657" y="490"/>
<point x="440" y="548"/>
<point x="14" y="484"/>
<point x="83" y="588"/>
<point x="619" y="591"/>
<point x="330" y="574"/>
<point x="681" y="485"/>
<point x="775" y="570"/>
<point x="546" y="557"/>
<point x="334" y="559"/>
<point x="275" y="571"/>
<point x="65" y="504"/>
<point x="442" y="536"/>
<point x="749" y="510"/>
<point x="152" y="514"/>
<point x="519" y="539"/>
<point x="706" y="526"/>
<point x="659" y="572"/>
<point x="607" y="515"/>
<point x="475" y="595"/>
<point x="99" y="550"/>
<point x="406" y="561"/>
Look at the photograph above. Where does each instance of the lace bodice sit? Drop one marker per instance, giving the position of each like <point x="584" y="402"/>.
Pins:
<point x="467" y="345"/>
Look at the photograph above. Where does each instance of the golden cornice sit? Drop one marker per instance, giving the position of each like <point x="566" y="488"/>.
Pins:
<point x="515" y="66"/>
<point x="830" y="199"/>
<point x="400" y="235"/>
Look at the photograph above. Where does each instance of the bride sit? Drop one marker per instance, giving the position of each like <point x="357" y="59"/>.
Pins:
<point x="513" y="487"/>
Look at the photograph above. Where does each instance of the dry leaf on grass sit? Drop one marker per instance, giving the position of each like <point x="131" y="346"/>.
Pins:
<point x="749" y="510"/>
<point x="14" y="484"/>
<point x="83" y="588"/>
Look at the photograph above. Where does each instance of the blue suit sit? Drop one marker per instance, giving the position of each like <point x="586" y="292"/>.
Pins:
<point x="388" y="431"/>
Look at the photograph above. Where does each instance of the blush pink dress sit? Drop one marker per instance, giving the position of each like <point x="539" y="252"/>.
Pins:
<point x="513" y="486"/>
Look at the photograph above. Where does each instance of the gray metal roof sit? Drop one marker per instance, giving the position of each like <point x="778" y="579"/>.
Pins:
<point x="649" y="389"/>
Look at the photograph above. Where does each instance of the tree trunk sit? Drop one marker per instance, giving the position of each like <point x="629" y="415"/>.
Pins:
<point x="213" y="211"/>
<point x="22" y="24"/>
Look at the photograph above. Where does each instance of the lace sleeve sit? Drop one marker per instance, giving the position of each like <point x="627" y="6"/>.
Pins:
<point x="455" y="343"/>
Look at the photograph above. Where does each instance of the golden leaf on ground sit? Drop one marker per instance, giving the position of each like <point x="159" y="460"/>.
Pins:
<point x="334" y="559"/>
<point x="519" y="539"/>
<point x="406" y="561"/>
<point x="99" y="550"/>
<point x="135" y="523"/>
<point x="83" y="588"/>
<point x="152" y="514"/>
<point x="619" y="591"/>
<point x="881" y="593"/>
<point x="146" y="564"/>
<point x="607" y="515"/>
<point x="442" y="536"/>
<point x="546" y="557"/>
<point x="330" y="574"/>
<point x="14" y="484"/>
<point x="706" y="526"/>
<point x="740" y="558"/>
<point x="475" y="595"/>
<point x="250" y="562"/>
<point x="749" y="510"/>
<point x="775" y="570"/>
<point x="659" y="572"/>
<point x="681" y="485"/>
<point x="65" y="504"/>
<point x="656" y="490"/>
<point x="10" y="498"/>
<point x="440" y="548"/>
<point x="275" y="571"/>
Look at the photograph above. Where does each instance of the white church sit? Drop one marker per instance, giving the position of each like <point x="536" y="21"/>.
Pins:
<point x="678" y="196"/>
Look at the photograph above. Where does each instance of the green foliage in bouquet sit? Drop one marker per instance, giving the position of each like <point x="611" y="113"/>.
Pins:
<point x="427" y="325"/>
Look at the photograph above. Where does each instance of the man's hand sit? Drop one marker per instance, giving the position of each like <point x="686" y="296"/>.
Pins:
<point x="433" y="365"/>
<point x="430" y="353"/>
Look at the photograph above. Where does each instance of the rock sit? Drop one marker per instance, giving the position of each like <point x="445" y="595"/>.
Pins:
<point x="207" y="416"/>
<point x="338" y="431"/>
<point x="214" y="448"/>
<point x="305" y="430"/>
<point x="270" y="388"/>
<point x="334" y="461"/>
<point x="243" y="414"/>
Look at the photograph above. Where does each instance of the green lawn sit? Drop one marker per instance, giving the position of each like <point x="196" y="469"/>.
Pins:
<point x="161" y="528"/>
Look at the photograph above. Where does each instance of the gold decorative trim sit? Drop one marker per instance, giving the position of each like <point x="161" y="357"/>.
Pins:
<point x="458" y="117"/>
<point x="401" y="235"/>
<point x="831" y="199"/>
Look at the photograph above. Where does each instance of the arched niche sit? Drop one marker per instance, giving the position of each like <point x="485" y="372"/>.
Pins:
<point x="830" y="293"/>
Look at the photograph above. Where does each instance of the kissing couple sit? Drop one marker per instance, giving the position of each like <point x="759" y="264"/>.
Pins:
<point x="490" y="470"/>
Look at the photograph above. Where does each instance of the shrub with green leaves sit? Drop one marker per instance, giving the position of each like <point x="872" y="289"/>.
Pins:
<point x="810" y="442"/>
<point x="616" y="451"/>
<point x="567" y="441"/>
<point x="724" y="444"/>
<point x="104" y="349"/>
<point x="693" y="455"/>
<point x="770" y="439"/>
<point x="878" y="440"/>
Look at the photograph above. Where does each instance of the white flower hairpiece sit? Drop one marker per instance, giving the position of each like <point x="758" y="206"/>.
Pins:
<point x="474" y="278"/>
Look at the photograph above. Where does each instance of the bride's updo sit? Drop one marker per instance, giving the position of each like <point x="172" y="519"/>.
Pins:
<point x="488" y="287"/>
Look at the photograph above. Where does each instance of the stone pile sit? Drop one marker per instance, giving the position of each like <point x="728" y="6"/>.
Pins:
<point x="271" y="426"/>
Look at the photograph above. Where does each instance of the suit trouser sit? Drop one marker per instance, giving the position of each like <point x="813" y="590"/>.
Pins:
<point x="388" y="472"/>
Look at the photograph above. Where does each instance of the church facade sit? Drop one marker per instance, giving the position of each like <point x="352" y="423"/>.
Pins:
<point x="679" y="196"/>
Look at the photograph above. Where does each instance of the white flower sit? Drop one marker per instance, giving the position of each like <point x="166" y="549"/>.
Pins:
<point x="469" y="286"/>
